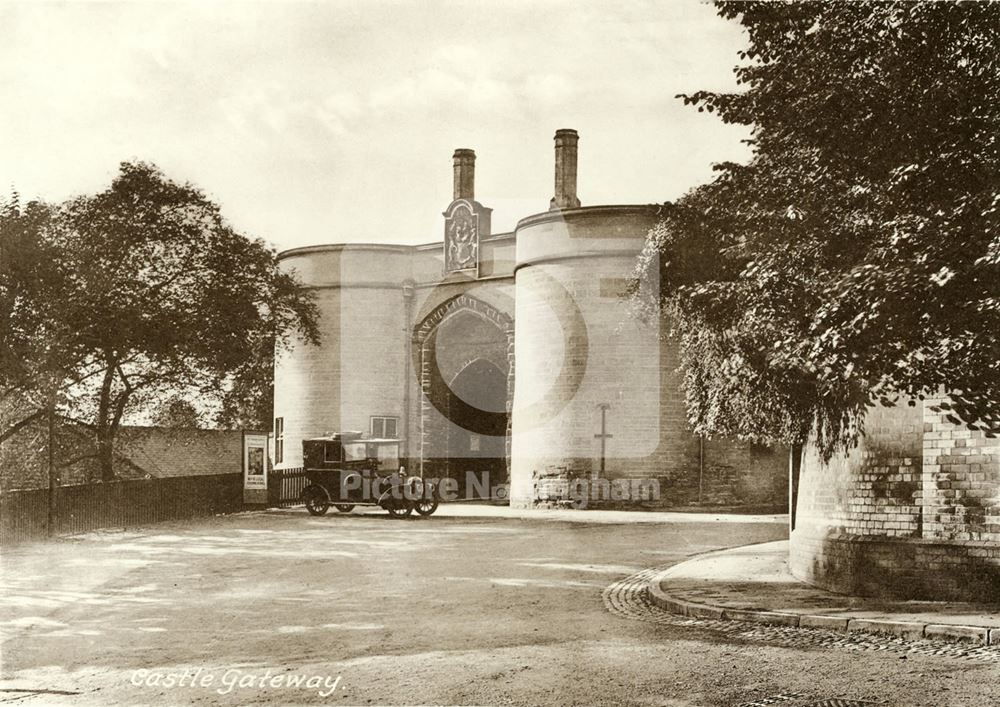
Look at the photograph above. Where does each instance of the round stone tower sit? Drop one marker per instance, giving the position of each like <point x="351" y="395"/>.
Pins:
<point x="360" y="368"/>
<point x="586" y="400"/>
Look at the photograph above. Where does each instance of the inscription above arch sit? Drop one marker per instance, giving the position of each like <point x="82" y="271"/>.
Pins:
<point x="461" y="303"/>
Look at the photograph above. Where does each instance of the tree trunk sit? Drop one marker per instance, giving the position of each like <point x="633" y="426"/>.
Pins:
<point x="105" y="435"/>
<point x="51" y="456"/>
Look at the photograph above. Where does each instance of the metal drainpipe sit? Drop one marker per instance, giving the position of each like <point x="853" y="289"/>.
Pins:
<point x="408" y="343"/>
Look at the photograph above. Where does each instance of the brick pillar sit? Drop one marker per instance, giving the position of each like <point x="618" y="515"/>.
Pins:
<point x="565" y="182"/>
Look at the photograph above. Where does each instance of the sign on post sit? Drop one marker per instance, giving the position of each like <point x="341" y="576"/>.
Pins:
<point x="254" y="469"/>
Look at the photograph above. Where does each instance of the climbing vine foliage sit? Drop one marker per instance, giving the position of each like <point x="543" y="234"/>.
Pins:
<point x="855" y="260"/>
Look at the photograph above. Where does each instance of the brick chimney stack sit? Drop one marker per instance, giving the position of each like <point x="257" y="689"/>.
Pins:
<point x="565" y="197"/>
<point x="465" y="174"/>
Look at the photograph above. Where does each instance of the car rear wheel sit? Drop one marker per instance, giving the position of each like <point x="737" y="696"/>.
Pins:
<point x="344" y="507"/>
<point x="428" y="501"/>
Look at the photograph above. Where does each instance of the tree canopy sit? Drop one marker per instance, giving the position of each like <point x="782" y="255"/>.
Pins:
<point x="141" y="290"/>
<point x="38" y="350"/>
<point x="177" y="412"/>
<point x="856" y="259"/>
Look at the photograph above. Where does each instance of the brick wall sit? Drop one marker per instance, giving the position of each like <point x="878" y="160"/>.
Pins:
<point x="164" y="451"/>
<point x="24" y="457"/>
<point x="913" y="512"/>
<point x="961" y="481"/>
<point x="140" y="452"/>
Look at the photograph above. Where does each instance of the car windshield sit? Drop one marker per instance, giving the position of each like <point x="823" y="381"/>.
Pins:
<point x="354" y="451"/>
<point x="388" y="456"/>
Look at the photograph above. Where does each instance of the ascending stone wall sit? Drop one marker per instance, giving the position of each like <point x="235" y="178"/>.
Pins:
<point x="912" y="512"/>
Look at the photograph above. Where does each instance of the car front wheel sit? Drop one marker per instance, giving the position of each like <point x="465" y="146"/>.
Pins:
<point x="316" y="501"/>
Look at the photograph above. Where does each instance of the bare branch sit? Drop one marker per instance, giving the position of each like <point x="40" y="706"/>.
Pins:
<point x="13" y="429"/>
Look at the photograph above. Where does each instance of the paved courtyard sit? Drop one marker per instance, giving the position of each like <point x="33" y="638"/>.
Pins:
<point x="473" y="606"/>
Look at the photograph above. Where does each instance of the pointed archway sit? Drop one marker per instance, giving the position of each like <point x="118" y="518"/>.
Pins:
<point x="464" y="350"/>
<point x="477" y="447"/>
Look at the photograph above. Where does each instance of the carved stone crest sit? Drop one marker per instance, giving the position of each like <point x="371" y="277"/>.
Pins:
<point x="461" y="239"/>
<point x="465" y="223"/>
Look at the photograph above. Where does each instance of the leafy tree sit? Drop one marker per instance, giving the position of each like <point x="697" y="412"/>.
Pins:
<point x="158" y="293"/>
<point x="178" y="412"/>
<point x="248" y="400"/>
<point x="856" y="259"/>
<point x="39" y="355"/>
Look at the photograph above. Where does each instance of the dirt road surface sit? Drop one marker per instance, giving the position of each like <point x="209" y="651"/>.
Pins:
<point x="478" y="608"/>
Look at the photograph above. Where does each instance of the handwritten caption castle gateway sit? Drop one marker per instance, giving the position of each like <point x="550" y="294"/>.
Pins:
<point x="235" y="679"/>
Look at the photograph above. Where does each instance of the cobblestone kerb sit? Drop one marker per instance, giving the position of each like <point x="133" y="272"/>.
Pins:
<point x="910" y="630"/>
<point x="629" y="598"/>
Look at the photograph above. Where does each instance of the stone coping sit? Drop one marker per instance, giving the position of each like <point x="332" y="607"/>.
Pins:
<point x="752" y="583"/>
<point x="582" y="212"/>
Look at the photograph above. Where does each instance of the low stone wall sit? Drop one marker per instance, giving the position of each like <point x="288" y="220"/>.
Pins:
<point x="902" y="568"/>
<point x="913" y="512"/>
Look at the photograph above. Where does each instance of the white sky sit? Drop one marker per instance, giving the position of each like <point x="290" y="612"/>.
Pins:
<point x="320" y="122"/>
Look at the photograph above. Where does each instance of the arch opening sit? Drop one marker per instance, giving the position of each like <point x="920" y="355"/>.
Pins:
<point x="466" y="375"/>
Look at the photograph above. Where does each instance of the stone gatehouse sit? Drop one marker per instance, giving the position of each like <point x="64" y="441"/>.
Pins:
<point x="513" y="356"/>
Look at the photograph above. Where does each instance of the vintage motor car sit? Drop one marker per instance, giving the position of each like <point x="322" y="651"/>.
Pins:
<point x="345" y="470"/>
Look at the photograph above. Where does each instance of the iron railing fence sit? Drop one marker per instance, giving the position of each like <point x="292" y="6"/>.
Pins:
<point x="284" y="486"/>
<point x="24" y="515"/>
